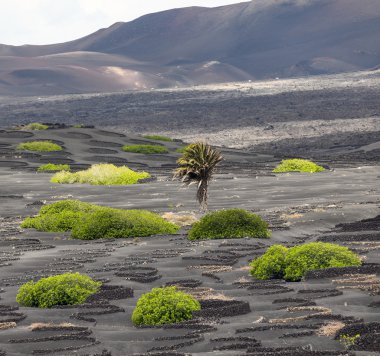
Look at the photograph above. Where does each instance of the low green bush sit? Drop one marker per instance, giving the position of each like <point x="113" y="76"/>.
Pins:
<point x="53" y="167"/>
<point x="39" y="146"/>
<point x="298" y="165"/>
<point x="89" y="221"/>
<point x="158" y="138"/>
<point x="230" y="223"/>
<point x="164" y="306"/>
<point x="60" y="216"/>
<point x="36" y="126"/>
<point x="271" y="264"/>
<point x="78" y="126"/>
<point x="101" y="174"/>
<point x="117" y="223"/>
<point x="146" y="149"/>
<point x="293" y="263"/>
<point x="64" y="289"/>
<point x="317" y="255"/>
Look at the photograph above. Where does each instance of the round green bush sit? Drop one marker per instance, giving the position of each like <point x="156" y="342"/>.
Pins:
<point x="39" y="146"/>
<point x="60" y="216"/>
<point x="101" y="174"/>
<point x="53" y="167"/>
<point x="317" y="255"/>
<point x="298" y="165"/>
<point x="164" y="306"/>
<point x="229" y="224"/>
<point x="146" y="149"/>
<point x="271" y="264"/>
<point x="117" y="223"/>
<point x="158" y="138"/>
<point x="89" y="221"/>
<point x="293" y="263"/>
<point x="36" y="126"/>
<point x="64" y="289"/>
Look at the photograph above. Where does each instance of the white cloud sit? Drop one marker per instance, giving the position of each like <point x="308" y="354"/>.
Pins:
<point x="52" y="21"/>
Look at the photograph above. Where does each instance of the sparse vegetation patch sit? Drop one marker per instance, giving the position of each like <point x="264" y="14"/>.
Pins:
<point x="36" y="126"/>
<point x="158" y="138"/>
<point x="298" y="165"/>
<point x="230" y="223"/>
<point x="293" y="263"/>
<point x="101" y="174"/>
<point x="39" y="146"/>
<point x="64" y="289"/>
<point x="145" y="149"/>
<point x="53" y="167"/>
<point x="89" y="221"/>
<point x="164" y="306"/>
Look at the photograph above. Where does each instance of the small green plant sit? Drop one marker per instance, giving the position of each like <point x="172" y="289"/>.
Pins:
<point x="181" y="149"/>
<point x="158" y="138"/>
<point x="36" y="126"/>
<point x="298" y="165"/>
<point x="78" y="126"/>
<point x="39" y="146"/>
<point x="293" y="263"/>
<point x="53" y="167"/>
<point x="63" y="289"/>
<point x="227" y="224"/>
<point x="164" y="306"/>
<point x="89" y="221"/>
<point x="101" y="174"/>
<point x="145" y="149"/>
<point x="348" y="341"/>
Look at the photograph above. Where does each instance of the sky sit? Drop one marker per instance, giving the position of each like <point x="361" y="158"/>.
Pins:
<point x="54" y="21"/>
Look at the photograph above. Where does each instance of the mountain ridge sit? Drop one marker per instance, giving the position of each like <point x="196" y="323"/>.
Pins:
<point x="259" y="39"/>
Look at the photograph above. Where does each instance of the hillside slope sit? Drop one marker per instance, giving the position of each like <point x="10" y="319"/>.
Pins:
<point x="250" y="40"/>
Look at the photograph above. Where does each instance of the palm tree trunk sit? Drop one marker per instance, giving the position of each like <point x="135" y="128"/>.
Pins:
<point x="202" y="194"/>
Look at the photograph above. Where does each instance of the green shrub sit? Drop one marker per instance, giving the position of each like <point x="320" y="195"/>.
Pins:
<point x="53" y="167"/>
<point x="36" y="126"/>
<point x="39" y="146"/>
<point x="164" y="306"/>
<point x="271" y="264"/>
<point x="101" y="174"/>
<point x="317" y="255"/>
<point x="60" y="216"/>
<point x="78" y="126"/>
<point x="64" y="289"/>
<point x="146" y="149"/>
<point x="158" y="138"/>
<point x="231" y="223"/>
<point x="117" y="223"/>
<point x="297" y="165"/>
<point x="300" y="259"/>
<point x="89" y="221"/>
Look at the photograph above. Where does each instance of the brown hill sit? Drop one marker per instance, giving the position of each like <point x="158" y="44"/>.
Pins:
<point x="197" y="45"/>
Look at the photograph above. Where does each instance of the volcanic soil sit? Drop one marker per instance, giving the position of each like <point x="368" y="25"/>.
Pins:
<point x="240" y="315"/>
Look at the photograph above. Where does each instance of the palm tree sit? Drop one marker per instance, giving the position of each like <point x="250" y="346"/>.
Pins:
<point x="197" y="166"/>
